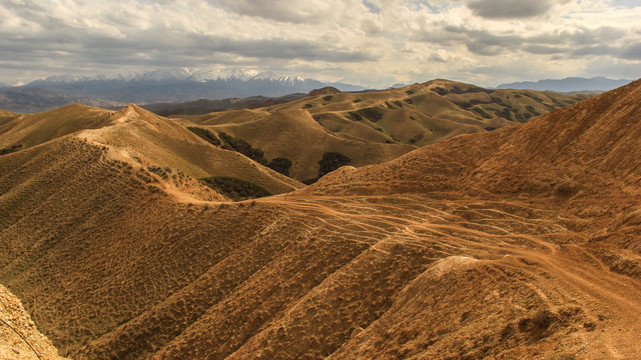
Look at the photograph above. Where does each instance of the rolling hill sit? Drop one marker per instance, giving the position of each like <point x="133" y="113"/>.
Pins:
<point x="516" y="243"/>
<point x="373" y="127"/>
<point x="140" y="138"/>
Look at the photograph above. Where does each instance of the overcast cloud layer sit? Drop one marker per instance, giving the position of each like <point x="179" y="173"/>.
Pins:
<point x="370" y="42"/>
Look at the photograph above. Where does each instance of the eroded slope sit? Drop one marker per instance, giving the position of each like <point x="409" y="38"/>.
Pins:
<point x="520" y="242"/>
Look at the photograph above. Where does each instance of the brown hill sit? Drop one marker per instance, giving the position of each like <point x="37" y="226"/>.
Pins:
<point x="430" y="112"/>
<point x="134" y="134"/>
<point x="324" y="91"/>
<point x="516" y="243"/>
<point x="373" y="127"/>
<point x="294" y="135"/>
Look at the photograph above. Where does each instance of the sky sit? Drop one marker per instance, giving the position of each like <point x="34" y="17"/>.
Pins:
<point x="374" y="43"/>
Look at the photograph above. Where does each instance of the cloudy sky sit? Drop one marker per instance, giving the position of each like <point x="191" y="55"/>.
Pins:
<point x="367" y="42"/>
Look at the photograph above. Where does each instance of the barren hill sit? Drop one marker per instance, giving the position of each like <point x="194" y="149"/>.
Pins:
<point x="517" y="243"/>
<point x="19" y="338"/>
<point x="134" y="134"/>
<point x="373" y="127"/>
<point x="294" y="135"/>
<point x="426" y="113"/>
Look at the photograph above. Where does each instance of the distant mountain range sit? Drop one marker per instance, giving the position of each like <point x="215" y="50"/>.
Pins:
<point x="159" y="86"/>
<point x="182" y="85"/>
<point x="571" y="84"/>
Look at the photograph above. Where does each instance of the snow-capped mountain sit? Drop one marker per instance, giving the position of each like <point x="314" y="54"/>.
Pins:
<point x="184" y="74"/>
<point x="179" y="85"/>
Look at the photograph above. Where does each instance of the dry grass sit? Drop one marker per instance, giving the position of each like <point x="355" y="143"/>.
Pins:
<point x="463" y="249"/>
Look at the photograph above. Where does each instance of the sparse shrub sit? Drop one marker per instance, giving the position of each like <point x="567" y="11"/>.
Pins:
<point x="280" y="165"/>
<point x="332" y="161"/>
<point x="389" y="106"/>
<point x="504" y="113"/>
<point x="416" y="138"/>
<point x="307" y="106"/>
<point x="531" y="109"/>
<point x="440" y="91"/>
<point x="356" y="101"/>
<point x="328" y="97"/>
<point x="482" y="112"/>
<point x="235" y="189"/>
<point x="11" y="149"/>
<point x="409" y="92"/>
<point x="462" y="104"/>
<point x="398" y="103"/>
<point x="205" y="135"/>
<point x="355" y="116"/>
<point x="371" y="114"/>
<point x="409" y="101"/>
<point x="243" y="147"/>
<point x="538" y="324"/>
<point x="538" y="99"/>
<point x="490" y="128"/>
<point x="517" y="95"/>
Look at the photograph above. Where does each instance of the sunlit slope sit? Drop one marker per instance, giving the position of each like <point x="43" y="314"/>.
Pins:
<point x="138" y="133"/>
<point x="294" y="135"/>
<point x="33" y="129"/>
<point x="169" y="144"/>
<point x="430" y="112"/>
<point x="19" y="339"/>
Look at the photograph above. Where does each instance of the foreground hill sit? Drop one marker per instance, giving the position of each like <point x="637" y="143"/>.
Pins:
<point x="516" y="243"/>
<point x="135" y="134"/>
<point x="296" y="136"/>
<point x="19" y="339"/>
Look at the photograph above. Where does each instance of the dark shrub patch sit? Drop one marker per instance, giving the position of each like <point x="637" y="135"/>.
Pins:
<point x="504" y="113"/>
<point x="409" y="92"/>
<point x="440" y="91"/>
<point x="371" y="114"/>
<point x="409" y="101"/>
<point x="398" y="103"/>
<point x="235" y="189"/>
<point x="328" y="97"/>
<point x="243" y="147"/>
<point x="462" y="104"/>
<point x="355" y="116"/>
<point x="280" y="165"/>
<point x="307" y="106"/>
<point x="205" y="135"/>
<point x="534" y="97"/>
<point x="332" y="161"/>
<point x="490" y="128"/>
<point x="416" y="138"/>
<point x="11" y="149"/>
<point x="531" y="109"/>
<point x="482" y="112"/>
<point x="356" y="101"/>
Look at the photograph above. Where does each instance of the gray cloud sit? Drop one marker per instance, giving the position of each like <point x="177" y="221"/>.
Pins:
<point x="401" y="40"/>
<point x="509" y="9"/>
